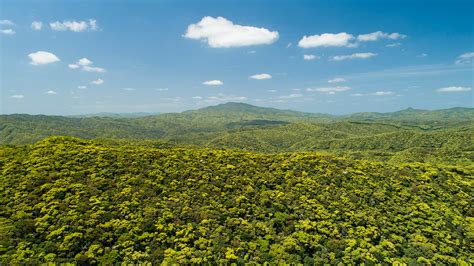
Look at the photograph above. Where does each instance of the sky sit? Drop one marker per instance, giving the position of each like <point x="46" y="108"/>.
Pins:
<point x="337" y="57"/>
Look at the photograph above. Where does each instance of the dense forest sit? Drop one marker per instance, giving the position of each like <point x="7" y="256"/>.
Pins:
<point x="66" y="199"/>
<point x="236" y="183"/>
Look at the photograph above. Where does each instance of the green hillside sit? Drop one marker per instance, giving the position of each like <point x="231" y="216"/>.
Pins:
<point x="81" y="201"/>
<point x="199" y="126"/>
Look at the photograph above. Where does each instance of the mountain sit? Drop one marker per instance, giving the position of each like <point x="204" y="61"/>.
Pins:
<point x="115" y="115"/>
<point x="247" y="111"/>
<point x="246" y="127"/>
<point x="417" y="116"/>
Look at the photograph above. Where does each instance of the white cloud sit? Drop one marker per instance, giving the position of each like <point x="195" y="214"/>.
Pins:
<point x="326" y="40"/>
<point x="97" y="82"/>
<point x="82" y="87"/>
<point x="291" y="96"/>
<point x="272" y="91"/>
<point x="454" y="89"/>
<point x="397" y="36"/>
<point x="214" y="82"/>
<point x="7" y="31"/>
<point x="289" y="45"/>
<point x="219" y="98"/>
<point x="353" y="56"/>
<point x="329" y="90"/>
<point x="161" y="89"/>
<point x="309" y="57"/>
<point x="37" y="25"/>
<point x="422" y="55"/>
<point x="336" y="80"/>
<point x="93" y="69"/>
<point x="261" y="76"/>
<point x="76" y="26"/>
<point x="392" y="45"/>
<point x="93" y="24"/>
<point x="6" y="22"/>
<point x="465" y="58"/>
<point x="222" y="33"/>
<point x="17" y="96"/>
<point x="128" y="89"/>
<point x="86" y="65"/>
<point x="84" y="62"/>
<point x="382" y="93"/>
<point x="357" y="94"/>
<point x="42" y="58"/>
<point x="51" y="92"/>
<point x="375" y="36"/>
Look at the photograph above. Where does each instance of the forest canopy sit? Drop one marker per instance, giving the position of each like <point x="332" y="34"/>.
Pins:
<point x="65" y="199"/>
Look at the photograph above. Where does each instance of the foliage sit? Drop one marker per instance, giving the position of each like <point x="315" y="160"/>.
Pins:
<point x="87" y="202"/>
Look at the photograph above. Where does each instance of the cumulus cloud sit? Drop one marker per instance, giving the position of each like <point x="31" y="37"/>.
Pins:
<point x="382" y="93"/>
<point x="7" y="31"/>
<point x="93" y="69"/>
<point x="392" y="45"/>
<point x="37" y="25"/>
<point x="291" y="96"/>
<point x="6" y="22"/>
<point x="329" y="90"/>
<point x="97" y="81"/>
<point x="222" y="33"/>
<point x="17" y="96"/>
<point x="454" y="89"/>
<point x="309" y="57"/>
<point x="214" y="82"/>
<point x="75" y="26"/>
<point x="375" y="36"/>
<point x="336" y="80"/>
<point x="261" y="76"/>
<point x="377" y="93"/>
<point x="86" y="65"/>
<point x="353" y="56"/>
<point x="465" y="58"/>
<point x="219" y="98"/>
<point x="327" y="40"/>
<point x="84" y="62"/>
<point x="42" y="58"/>
<point x="51" y="92"/>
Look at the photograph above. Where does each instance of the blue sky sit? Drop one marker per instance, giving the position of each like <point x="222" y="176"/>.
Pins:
<point x="75" y="57"/>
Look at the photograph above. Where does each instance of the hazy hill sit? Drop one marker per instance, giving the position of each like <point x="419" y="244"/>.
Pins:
<point x="115" y="115"/>
<point x="435" y="118"/>
<point x="248" y="127"/>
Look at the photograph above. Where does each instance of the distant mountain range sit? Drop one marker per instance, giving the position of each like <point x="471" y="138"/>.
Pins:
<point x="247" y="127"/>
<point x="115" y="115"/>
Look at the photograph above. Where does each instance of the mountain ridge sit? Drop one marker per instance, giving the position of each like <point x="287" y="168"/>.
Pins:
<point x="240" y="106"/>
